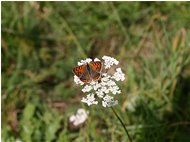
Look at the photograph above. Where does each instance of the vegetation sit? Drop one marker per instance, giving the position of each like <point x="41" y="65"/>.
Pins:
<point x="43" y="41"/>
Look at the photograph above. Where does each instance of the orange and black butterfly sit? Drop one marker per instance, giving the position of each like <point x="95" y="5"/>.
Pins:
<point x="89" y="72"/>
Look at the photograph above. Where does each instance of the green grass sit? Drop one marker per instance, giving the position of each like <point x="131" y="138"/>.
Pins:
<point x="43" y="41"/>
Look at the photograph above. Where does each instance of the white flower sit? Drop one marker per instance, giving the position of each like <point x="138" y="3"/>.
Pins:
<point x="109" y="61"/>
<point x="105" y="77"/>
<point x="105" y="87"/>
<point x="114" y="89"/>
<point x="111" y="83"/>
<point x="96" y="59"/>
<point x="88" y="60"/>
<point x="119" y="75"/>
<point x="108" y="101"/>
<point x="87" y="88"/>
<point x="80" y="117"/>
<point x="96" y="85"/>
<point x="90" y="99"/>
<point x="100" y="93"/>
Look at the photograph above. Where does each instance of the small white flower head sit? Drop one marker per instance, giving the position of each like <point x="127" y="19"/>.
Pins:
<point x="119" y="75"/>
<point x="87" y="88"/>
<point x="80" y="117"/>
<point x="109" y="61"/>
<point x="88" y="60"/>
<point x="90" y="99"/>
<point x="96" y="59"/>
<point x="105" y="88"/>
<point x="109" y="101"/>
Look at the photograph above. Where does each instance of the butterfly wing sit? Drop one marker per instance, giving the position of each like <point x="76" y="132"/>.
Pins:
<point x="83" y="73"/>
<point x="95" y="69"/>
<point x="86" y="78"/>
<point x="79" y="70"/>
<point x="96" y="66"/>
<point x="95" y="75"/>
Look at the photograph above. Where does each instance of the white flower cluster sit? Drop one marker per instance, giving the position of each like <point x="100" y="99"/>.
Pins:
<point x="109" y="61"/>
<point x="103" y="88"/>
<point x="80" y="117"/>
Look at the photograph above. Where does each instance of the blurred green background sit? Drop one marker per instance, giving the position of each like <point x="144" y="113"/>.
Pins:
<point x="41" y="43"/>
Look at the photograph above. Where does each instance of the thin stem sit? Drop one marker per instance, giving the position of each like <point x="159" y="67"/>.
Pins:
<point x="122" y="123"/>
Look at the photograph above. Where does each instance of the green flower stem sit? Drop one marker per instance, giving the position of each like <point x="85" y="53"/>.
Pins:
<point x="122" y="123"/>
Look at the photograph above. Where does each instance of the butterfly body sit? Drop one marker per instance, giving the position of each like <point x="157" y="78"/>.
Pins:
<point x="88" y="72"/>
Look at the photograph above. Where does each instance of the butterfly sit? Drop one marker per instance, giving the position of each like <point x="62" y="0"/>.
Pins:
<point x="89" y="72"/>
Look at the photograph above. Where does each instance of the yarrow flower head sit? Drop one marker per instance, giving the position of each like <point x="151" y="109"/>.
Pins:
<point x="105" y="87"/>
<point x="80" y="117"/>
